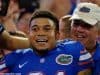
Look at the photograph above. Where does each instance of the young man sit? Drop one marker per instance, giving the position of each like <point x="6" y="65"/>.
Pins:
<point x="46" y="56"/>
<point x="84" y="28"/>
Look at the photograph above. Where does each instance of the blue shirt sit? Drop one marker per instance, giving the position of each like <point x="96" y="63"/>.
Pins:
<point x="67" y="58"/>
<point x="96" y="57"/>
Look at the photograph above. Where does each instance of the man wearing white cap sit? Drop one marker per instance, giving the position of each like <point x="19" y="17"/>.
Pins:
<point x="84" y="28"/>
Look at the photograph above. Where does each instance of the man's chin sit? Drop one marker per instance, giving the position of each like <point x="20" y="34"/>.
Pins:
<point x="42" y="48"/>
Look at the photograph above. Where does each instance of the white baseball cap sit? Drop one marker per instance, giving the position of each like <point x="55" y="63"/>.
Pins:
<point x="88" y="12"/>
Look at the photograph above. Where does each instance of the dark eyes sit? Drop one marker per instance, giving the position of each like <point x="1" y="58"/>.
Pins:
<point x="45" y="28"/>
<point x="77" y="23"/>
<point x="35" y="28"/>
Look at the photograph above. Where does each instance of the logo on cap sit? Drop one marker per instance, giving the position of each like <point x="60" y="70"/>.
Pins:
<point x="84" y="9"/>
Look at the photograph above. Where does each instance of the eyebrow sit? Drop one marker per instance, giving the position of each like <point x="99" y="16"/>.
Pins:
<point x="82" y="22"/>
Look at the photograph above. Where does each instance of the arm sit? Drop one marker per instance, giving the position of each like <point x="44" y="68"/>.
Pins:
<point x="12" y="42"/>
<point x="85" y="62"/>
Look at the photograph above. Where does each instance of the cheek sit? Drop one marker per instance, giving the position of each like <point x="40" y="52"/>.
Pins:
<point x="31" y="37"/>
<point x="94" y="35"/>
<point x="53" y="35"/>
<point x="73" y="29"/>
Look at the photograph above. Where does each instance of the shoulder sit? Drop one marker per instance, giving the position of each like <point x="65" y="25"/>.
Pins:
<point x="98" y="47"/>
<point x="97" y="52"/>
<point x="23" y="51"/>
<point x="71" y="46"/>
<point x="18" y="53"/>
<point x="69" y="43"/>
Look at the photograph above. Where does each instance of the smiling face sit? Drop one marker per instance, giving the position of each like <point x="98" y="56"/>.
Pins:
<point x="43" y="34"/>
<point x="84" y="32"/>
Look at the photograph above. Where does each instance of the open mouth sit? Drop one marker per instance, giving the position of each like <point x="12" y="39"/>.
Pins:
<point x="80" y="36"/>
<point x="42" y="40"/>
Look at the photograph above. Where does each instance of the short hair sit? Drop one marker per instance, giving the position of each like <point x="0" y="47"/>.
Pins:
<point x="45" y="14"/>
<point x="67" y="21"/>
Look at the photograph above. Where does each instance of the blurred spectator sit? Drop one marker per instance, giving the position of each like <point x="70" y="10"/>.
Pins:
<point x="64" y="27"/>
<point x="15" y="7"/>
<point x="73" y="6"/>
<point x="59" y="7"/>
<point x="7" y="19"/>
<point x="23" y="21"/>
<point x="27" y="8"/>
<point x="29" y="5"/>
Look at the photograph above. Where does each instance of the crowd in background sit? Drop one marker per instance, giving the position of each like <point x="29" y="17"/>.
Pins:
<point x="20" y="11"/>
<point x="16" y="21"/>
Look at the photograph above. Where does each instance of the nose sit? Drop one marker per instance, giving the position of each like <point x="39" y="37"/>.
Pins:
<point x="41" y="32"/>
<point x="41" y="35"/>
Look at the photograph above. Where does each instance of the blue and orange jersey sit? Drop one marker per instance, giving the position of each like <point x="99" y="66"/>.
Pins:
<point x="67" y="58"/>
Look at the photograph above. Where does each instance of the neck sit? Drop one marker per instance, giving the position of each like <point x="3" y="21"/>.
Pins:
<point x="40" y="52"/>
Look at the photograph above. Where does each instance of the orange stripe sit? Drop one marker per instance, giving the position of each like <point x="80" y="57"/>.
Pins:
<point x="83" y="63"/>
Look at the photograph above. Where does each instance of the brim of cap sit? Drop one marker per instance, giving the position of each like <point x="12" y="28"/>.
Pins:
<point x="85" y="18"/>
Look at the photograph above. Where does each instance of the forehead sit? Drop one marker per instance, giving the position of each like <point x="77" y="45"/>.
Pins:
<point x="42" y="22"/>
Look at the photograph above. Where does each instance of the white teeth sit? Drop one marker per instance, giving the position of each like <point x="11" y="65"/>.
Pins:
<point x="41" y="40"/>
<point x="80" y="36"/>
